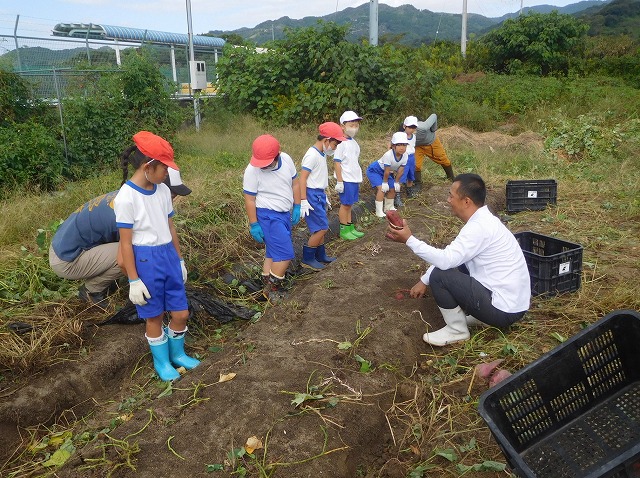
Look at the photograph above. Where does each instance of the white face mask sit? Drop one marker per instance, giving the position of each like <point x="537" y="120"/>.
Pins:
<point x="351" y="131"/>
<point x="328" y="150"/>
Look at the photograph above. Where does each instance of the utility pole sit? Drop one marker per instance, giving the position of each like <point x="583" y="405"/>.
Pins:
<point x="463" y="36"/>
<point x="196" y="106"/>
<point x="521" y="6"/>
<point x="373" y="22"/>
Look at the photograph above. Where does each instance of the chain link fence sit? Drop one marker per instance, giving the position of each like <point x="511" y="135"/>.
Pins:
<point x="48" y="64"/>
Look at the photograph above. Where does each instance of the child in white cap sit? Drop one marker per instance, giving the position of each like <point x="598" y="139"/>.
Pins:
<point x="348" y="174"/>
<point x="384" y="173"/>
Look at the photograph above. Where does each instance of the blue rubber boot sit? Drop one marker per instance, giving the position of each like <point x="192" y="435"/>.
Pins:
<point x="309" y="258"/>
<point x="161" y="364"/>
<point x="321" y="255"/>
<point x="177" y="355"/>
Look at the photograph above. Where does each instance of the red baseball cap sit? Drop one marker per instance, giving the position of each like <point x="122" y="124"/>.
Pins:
<point x="264" y="150"/>
<point x="155" y="147"/>
<point x="331" y="130"/>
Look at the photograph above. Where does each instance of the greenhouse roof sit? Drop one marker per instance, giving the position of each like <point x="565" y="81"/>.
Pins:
<point x="109" y="32"/>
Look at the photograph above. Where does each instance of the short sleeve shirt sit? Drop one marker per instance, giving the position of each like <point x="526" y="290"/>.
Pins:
<point x="348" y="155"/>
<point x="273" y="189"/>
<point x="314" y="161"/>
<point x="389" y="159"/>
<point x="146" y="212"/>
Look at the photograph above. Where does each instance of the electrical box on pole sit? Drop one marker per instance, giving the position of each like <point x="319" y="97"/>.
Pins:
<point x="198" y="72"/>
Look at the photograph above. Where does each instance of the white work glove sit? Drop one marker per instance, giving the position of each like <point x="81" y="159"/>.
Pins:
<point x="305" y="207"/>
<point x="385" y="187"/>
<point x="138" y="292"/>
<point x="396" y="186"/>
<point x="184" y="271"/>
<point x="339" y="187"/>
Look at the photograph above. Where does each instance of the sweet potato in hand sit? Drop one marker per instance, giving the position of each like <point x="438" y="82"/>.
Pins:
<point x="395" y="219"/>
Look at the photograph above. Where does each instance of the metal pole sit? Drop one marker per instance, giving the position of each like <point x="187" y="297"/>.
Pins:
<point x="15" y="38"/>
<point x="86" y="39"/>
<point x="521" y="6"/>
<point x="196" y="106"/>
<point x="173" y="63"/>
<point x="118" y="60"/>
<point x="373" y="22"/>
<point x="463" y="36"/>
<point x="64" y="136"/>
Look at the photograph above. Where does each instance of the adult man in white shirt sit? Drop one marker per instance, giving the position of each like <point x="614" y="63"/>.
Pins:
<point x="481" y="277"/>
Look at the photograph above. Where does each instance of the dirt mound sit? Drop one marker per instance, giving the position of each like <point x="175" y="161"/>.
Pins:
<point x="457" y="137"/>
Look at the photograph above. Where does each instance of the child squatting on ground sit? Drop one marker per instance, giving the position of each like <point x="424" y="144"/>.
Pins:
<point x="314" y="180"/>
<point x="150" y="251"/>
<point x="385" y="173"/>
<point x="348" y="174"/>
<point x="271" y="189"/>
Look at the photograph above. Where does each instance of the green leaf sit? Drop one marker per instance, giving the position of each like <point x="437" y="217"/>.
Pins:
<point x="448" y="454"/>
<point x="558" y="337"/>
<point x="300" y="398"/>
<point x="214" y="467"/>
<point x="365" y="365"/>
<point x="492" y="466"/>
<point x="215" y="348"/>
<point x="168" y="390"/>
<point x="344" y="345"/>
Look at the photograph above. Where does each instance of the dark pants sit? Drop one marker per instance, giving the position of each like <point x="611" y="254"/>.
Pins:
<point x="455" y="287"/>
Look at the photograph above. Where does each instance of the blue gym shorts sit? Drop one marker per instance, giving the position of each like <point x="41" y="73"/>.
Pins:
<point x="351" y="194"/>
<point x="375" y="174"/>
<point x="276" y="227"/>
<point x="409" y="173"/>
<point x="317" y="219"/>
<point x="159" y="268"/>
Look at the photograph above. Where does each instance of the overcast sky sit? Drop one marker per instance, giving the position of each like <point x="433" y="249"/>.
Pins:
<point x="38" y="17"/>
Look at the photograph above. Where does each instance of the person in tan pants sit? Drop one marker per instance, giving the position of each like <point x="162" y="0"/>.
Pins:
<point x="428" y="144"/>
<point x="85" y="246"/>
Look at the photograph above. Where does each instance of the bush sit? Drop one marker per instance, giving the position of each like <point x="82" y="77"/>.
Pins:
<point x="315" y="74"/>
<point x="103" y="113"/>
<point x="31" y="155"/>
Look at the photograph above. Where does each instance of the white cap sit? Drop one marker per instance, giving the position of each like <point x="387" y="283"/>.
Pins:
<point x="399" y="138"/>
<point x="174" y="181"/>
<point x="349" y="116"/>
<point x="410" y="121"/>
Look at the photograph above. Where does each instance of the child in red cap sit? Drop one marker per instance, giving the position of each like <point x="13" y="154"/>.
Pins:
<point x="314" y="180"/>
<point x="271" y="190"/>
<point x="151" y="253"/>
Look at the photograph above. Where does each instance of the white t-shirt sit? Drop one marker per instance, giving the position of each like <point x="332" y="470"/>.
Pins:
<point x="273" y="189"/>
<point x="145" y="212"/>
<point x="493" y="256"/>
<point x="411" y="146"/>
<point x="314" y="161"/>
<point x="390" y="159"/>
<point x="348" y="155"/>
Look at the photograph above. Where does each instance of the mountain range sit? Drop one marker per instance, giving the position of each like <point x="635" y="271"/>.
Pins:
<point x="404" y="24"/>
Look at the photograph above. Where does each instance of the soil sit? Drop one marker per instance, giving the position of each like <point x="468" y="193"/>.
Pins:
<point x="357" y="424"/>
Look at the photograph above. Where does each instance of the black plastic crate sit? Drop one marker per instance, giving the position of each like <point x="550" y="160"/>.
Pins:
<point x="574" y="412"/>
<point x="532" y="195"/>
<point x="555" y="266"/>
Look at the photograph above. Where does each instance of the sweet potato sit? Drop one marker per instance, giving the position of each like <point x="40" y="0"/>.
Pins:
<point x="395" y="219"/>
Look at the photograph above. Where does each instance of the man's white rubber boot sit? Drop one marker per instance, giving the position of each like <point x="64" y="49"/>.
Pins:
<point x="473" y="322"/>
<point x="379" y="212"/>
<point x="388" y="205"/>
<point x="456" y="329"/>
